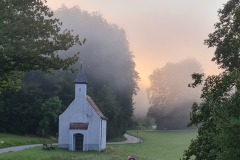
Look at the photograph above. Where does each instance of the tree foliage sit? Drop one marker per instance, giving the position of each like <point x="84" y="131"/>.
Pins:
<point x="169" y="96"/>
<point x="219" y="114"/>
<point x="226" y="37"/>
<point x="50" y="110"/>
<point x="29" y="40"/>
<point x="22" y="111"/>
<point x="218" y="117"/>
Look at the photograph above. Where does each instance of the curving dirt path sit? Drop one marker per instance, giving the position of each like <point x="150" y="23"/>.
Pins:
<point x="18" y="148"/>
<point x="130" y="139"/>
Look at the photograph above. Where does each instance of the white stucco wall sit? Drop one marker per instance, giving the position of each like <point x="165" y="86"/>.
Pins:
<point x="81" y="111"/>
<point x="80" y="91"/>
<point x="104" y="134"/>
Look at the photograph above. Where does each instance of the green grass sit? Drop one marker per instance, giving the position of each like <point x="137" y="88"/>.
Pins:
<point x="117" y="139"/>
<point x="161" y="145"/>
<point x="8" y="140"/>
<point x="156" y="145"/>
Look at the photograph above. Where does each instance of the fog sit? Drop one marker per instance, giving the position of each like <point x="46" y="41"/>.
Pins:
<point x="152" y="43"/>
<point x="107" y="58"/>
<point x="158" y="31"/>
<point x="170" y="97"/>
<point x="105" y="54"/>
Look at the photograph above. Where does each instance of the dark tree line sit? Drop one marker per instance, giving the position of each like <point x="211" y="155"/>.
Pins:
<point x="32" y="109"/>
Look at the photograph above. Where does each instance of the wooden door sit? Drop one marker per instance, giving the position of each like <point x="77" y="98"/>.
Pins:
<point x="79" y="142"/>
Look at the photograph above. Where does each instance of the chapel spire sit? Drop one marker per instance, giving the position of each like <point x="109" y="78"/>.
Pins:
<point x="81" y="78"/>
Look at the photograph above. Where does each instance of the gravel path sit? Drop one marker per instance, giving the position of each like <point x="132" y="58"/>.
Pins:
<point x="130" y="139"/>
<point x="18" y="148"/>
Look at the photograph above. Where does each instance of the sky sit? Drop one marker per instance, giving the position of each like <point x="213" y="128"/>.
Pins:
<point x="158" y="31"/>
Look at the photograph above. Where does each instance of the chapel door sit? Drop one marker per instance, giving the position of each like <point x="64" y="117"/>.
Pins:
<point x="79" y="142"/>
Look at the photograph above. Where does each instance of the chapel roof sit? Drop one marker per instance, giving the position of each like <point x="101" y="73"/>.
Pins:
<point x="81" y="78"/>
<point x="95" y="107"/>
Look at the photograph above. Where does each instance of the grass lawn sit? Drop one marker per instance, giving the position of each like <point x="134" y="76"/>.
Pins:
<point x="156" y="145"/>
<point x="161" y="145"/>
<point x="8" y="140"/>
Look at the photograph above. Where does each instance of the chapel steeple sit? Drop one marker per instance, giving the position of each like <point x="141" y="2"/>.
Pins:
<point x="81" y="78"/>
<point x="80" y="84"/>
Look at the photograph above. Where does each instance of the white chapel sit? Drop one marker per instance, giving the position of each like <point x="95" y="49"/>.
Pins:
<point x="82" y="126"/>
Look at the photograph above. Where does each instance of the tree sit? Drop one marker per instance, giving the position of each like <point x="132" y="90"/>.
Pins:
<point x="219" y="114"/>
<point x="169" y="96"/>
<point x="30" y="38"/>
<point x="50" y="111"/>
<point x="226" y="37"/>
<point x="218" y="117"/>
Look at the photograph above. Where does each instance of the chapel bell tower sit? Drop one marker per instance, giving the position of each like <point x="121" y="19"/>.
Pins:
<point x="80" y="84"/>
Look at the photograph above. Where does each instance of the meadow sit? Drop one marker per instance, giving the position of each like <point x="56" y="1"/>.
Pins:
<point x="9" y="140"/>
<point x="156" y="145"/>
